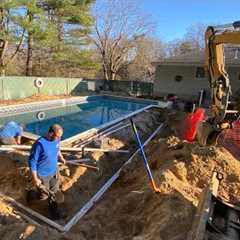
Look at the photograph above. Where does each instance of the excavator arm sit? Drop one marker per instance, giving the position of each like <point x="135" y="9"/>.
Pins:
<point x="220" y="87"/>
<point x="219" y="82"/>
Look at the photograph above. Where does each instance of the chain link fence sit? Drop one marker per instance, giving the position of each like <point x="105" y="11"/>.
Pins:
<point x="22" y="87"/>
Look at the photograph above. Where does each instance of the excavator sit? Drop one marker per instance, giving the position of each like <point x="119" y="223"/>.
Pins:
<point x="222" y="109"/>
<point x="215" y="218"/>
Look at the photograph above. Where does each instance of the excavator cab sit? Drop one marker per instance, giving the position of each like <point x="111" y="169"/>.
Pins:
<point x="221" y="109"/>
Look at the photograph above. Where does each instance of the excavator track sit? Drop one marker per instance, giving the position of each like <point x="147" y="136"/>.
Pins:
<point x="215" y="219"/>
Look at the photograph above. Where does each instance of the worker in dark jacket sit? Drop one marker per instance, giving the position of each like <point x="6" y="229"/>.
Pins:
<point x="43" y="163"/>
<point x="10" y="133"/>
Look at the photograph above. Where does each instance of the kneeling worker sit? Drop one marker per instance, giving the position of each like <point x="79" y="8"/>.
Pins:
<point x="10" y="133"/>
<point x="43" y="163"/>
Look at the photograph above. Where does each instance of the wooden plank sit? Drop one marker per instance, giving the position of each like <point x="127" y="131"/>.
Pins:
<point x="87" y="149"/>
<point x="64" y="149"/>
<point x="30" y="136"/>
<point x="198" y="229"/>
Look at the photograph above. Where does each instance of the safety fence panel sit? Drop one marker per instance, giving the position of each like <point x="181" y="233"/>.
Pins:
<point x="77" y="85"/>
<point x="132" y="87"/>
<point x="17" y="87"/>
<point x="54" y="86"/>
<point x="22" y="87"/>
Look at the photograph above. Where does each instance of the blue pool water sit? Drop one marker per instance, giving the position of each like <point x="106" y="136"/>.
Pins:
<point x="78" y="118"/>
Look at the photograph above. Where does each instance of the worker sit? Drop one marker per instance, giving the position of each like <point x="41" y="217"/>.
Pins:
<point x="10" y="133"/>
<point x="43" y="163"/>
<point x="229" y="138"/>
<point x="192" y="118"/>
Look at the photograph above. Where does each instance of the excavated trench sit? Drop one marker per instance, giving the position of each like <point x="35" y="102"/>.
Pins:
<point x="130" y="209"/>
<point x="81" y="183"/>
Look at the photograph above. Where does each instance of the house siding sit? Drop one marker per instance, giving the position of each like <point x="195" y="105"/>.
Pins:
<point x="190" y="86"/>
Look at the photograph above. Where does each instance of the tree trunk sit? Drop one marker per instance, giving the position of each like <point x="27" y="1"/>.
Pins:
<point x="113" y="75"/>
<point x="105" y="72"/>
<point x="29" y="64"/>
<point x="60" y="29"/>
<point x="3" y="49"/>
<point x="2" y="71"/>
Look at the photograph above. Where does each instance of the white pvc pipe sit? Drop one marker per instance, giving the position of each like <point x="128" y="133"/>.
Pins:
<point x="33" y="213"/>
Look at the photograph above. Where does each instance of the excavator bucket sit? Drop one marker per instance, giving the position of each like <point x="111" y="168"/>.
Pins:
<point x="204" y="133"/>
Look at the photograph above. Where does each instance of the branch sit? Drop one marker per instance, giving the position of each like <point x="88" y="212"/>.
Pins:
<point x="17" y="49"/>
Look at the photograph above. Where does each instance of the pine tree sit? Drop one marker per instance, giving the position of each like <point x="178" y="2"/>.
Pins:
<point x="10" y="34"/>
<point x="73" y="20"/>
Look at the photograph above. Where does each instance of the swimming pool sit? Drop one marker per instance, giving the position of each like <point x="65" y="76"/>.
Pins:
<point x="76" y="118"/>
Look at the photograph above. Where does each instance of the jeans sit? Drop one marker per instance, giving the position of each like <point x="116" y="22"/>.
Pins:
<point x="50" y="187"/>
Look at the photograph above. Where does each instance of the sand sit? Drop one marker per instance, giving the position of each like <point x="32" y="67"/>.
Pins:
<point x="130" y="209"/>
<point x="33" y="98"/>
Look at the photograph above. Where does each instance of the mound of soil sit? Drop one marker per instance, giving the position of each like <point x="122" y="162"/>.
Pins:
<point x="131" y="210"/>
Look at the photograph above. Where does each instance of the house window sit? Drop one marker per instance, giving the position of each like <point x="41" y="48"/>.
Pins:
<point x="178" y="78"/>
<point x="200" y="72"/>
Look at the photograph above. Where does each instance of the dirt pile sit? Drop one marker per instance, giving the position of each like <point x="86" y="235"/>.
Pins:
<point x="32" y="98"/>
<point x="130" y="209"/>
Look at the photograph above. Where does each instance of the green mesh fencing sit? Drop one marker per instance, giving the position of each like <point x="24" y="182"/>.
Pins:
<point x="22" y="87"/>
<point x="54" y="86"/>
<point x="17" y="87"/>
<point x="132" y="87"/>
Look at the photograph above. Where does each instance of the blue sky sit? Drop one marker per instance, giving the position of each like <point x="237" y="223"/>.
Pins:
<point x="173" y="17"/>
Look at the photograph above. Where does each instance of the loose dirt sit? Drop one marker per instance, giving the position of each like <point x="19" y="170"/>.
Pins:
<point x="130" y="209"/>
<point x="34" y="98"/>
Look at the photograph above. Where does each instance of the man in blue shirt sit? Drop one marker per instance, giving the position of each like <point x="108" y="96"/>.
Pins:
<point x="10" y="133"/>
<point x="43" y="163"/>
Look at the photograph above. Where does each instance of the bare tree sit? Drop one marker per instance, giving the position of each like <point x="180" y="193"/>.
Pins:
<point x="193" y="41"/>
<point x="195" y="34"/>
<point x="117" y="26"/>
<point x="148" y="50"/>
<point x="11" y="38"/>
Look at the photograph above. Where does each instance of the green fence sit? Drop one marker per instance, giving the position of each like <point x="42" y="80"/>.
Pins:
<point x="22" y="87"/>
<point x="132" y="87"/>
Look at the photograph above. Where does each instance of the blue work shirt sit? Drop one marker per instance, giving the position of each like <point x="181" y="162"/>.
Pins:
<point x="44" y="157"/>
<point x="11" y="129"/>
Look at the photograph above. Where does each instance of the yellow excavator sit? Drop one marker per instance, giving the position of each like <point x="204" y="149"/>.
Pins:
<point x="219" y="82"/>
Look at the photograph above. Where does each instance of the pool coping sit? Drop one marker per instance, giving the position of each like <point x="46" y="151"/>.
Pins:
<point x="31" y="107"/>
<point x="48" y="104"/>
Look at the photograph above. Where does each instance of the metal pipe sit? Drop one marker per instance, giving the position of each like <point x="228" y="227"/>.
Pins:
<point x="107" y="185"/>
<point x="155" y="188"/>
<point x="110" y="124"/>
<point x="83" y="165"/>
<point x="32" y="212"/>
<point x="90" y="203"/>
